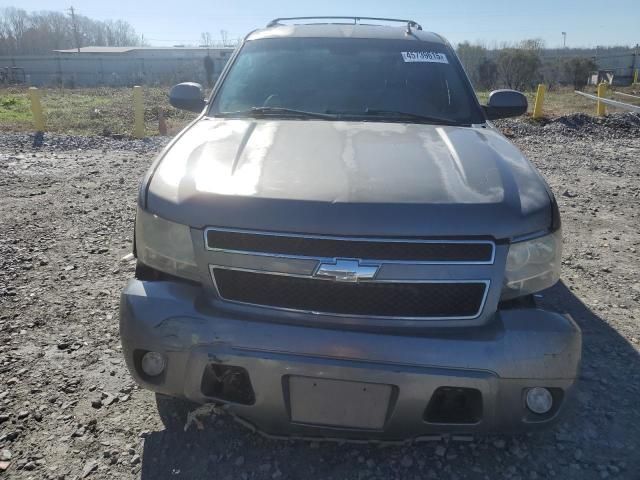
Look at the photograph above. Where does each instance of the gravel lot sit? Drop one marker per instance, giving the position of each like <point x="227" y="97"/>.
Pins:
<point x="68" y="408"/>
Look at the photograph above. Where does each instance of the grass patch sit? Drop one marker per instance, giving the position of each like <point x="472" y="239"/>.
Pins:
<point x="15" y="109"/>
<point x="109" y="111"/>
<point x="563" y="101"/>
<point x="89" y="111"/>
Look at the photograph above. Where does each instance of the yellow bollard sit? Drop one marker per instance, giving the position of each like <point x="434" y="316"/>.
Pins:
<point x="635" y="76"/>
<point x="138" y="112"/>
<point x="36" y="109"/>
<point x="537" y="109"/>
<point x="601" y="108"/>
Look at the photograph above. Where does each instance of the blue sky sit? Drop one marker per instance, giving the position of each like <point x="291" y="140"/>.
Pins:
<point x="587" y="22"/>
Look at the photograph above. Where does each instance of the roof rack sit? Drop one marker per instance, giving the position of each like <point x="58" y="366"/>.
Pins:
<point x="356" y="20"/>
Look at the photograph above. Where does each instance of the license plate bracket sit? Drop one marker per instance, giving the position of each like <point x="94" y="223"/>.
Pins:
<point x="338" y="403"/>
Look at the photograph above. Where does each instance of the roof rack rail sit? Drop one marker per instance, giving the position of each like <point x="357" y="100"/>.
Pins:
<point x="356" y="20"/>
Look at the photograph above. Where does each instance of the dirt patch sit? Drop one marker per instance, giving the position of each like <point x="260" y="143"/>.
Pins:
<point x="68" y="408"/>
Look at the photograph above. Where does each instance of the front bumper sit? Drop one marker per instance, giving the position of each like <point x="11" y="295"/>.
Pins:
<point x="520" y="349"/>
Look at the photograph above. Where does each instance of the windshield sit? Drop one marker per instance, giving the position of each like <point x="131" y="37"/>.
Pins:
<point x="350" y="79"/>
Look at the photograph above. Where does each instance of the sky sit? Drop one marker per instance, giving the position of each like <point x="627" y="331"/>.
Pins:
<point x="588" y="23"/>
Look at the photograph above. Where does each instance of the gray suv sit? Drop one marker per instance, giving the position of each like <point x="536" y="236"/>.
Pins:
<point x="342" y="245"/>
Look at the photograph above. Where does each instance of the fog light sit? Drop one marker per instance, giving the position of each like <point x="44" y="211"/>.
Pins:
<point x="153" y="363"/>
<point x="539" y="400"/>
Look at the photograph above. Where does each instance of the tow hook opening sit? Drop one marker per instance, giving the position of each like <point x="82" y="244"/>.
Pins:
<point x="228" y="383"/>
<point x="454" y="405"/>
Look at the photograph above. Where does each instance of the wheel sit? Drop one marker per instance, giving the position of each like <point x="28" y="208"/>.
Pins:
<point x="174" y="411"/>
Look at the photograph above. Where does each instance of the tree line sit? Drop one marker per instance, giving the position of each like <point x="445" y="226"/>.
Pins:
<point x="24" y="33"/>
<point x="522" y="66"/>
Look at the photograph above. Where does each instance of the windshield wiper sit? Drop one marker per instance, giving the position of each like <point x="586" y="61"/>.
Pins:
<point x="276" y="111"/>
<point x="413" y="116"/>
<point x="257" y="112"/>
<point x="398" y="115"/>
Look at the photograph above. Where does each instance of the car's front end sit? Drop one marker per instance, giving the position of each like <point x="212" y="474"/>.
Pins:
<point x="367" y="278"/>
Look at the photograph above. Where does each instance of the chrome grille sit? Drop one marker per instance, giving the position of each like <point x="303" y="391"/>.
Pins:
<point x="373" y="249"/>
<point x="387" y="278"/>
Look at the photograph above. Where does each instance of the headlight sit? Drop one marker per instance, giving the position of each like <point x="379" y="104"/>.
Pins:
<point x="532" y="265"/>
<point x="165" y="246"/>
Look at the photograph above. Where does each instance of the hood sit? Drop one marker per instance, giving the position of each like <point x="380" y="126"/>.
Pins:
<point x="349" y="178"/>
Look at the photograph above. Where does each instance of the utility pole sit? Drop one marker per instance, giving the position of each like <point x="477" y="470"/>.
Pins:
<point x="76" y="34"/>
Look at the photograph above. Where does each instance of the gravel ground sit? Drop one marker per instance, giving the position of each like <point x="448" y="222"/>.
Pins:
<point x="68" y="408"/>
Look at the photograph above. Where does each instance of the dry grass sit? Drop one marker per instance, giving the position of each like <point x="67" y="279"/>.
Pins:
<point x="109" y="111"/>
<point x="563" y="101"/>
<point x="89" y="111"/>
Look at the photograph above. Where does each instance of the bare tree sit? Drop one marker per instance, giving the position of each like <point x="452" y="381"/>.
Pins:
<point x="577" y="71"/>
<point x="472" y="57"/>
<point x="120" y="34"/>
<point x="487" y="74"/>
<point x="518" y="68"/>
<point x="17" y="21"/>
<point x="532" y="44"/>
<point x="58" y="29"/>
<point x="205" y="39"/>
<point x="41" y="32"/>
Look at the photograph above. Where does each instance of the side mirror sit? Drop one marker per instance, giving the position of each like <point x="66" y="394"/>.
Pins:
<point x="505" y="103"/>
<point x="187" y="96"/>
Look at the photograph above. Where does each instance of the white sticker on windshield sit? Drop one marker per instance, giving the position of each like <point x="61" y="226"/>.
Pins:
<point x="430" y="57"/>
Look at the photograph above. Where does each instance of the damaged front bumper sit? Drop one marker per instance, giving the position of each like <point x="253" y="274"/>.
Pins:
<point x="300" y="381"/>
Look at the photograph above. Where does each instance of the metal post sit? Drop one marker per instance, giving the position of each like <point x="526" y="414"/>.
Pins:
<point x="36" y="109"/>
<point x="636" y="54"/>
<point x="601" y="108"/>
<point x="138" y="112"/>
<point x="162" y="123"/>
<point x="537" y="109"/>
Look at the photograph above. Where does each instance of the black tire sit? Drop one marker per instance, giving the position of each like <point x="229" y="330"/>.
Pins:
<point x="174" y="411"/>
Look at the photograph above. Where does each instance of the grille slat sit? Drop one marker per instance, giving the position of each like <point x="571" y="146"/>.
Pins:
<point x="328" y="247"/>
<point x="376" y="299"/>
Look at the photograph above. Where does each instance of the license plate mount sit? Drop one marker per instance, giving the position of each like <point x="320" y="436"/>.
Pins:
<point x="339" y="403"/>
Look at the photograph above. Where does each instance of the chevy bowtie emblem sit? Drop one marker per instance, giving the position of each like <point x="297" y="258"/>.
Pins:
<point x="346" y="271"/>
